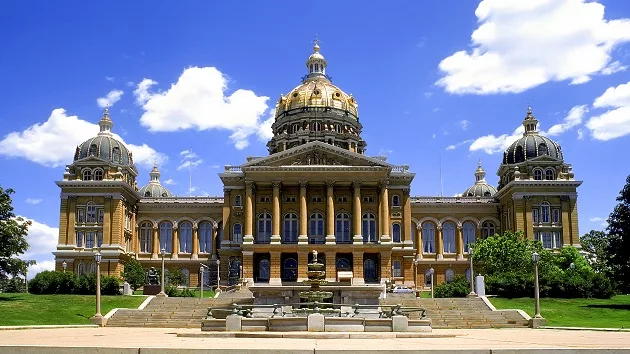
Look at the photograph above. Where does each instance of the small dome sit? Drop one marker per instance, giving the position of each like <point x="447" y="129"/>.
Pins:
<point x="104" y="146"/>
<point x="531" y="145"/>
<point x="155" y="189"/>
<point x="481" y="188"/>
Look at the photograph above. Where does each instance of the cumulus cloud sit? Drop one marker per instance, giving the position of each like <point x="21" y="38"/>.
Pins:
<point x="53" y="142"/>
<point x="574" y="118"/>
<point x="170" y="182"/>
<point x="200" y="100"/>
<point x="522" y="44"/>
<point x="110" y="99"/>
<point x="189" y="163"/>
<point x="187" y="154"/>
<point x="42" y="241"/>
<point x="491" y="144"/>
<point x="463" y="124"/>
<point x="455" y="146"/>
<point x="33" y="201"/>
<point x="615" y="122"/>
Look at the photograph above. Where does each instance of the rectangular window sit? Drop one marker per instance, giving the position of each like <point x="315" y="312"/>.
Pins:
<point x="80" y="215"/>
<point x="79" y="239"/>
<point x="556" y="216"/>
<point x="342" y="199"/>
<point x="544" y="213"/>
<point x="316" y="199"/>
<point x="91" y="213"/>
<point x="264" y="199"/>
<point x="547" y="240"/>
<point x="368" y="199"/>
<point x="101" y="215"/>
<point x="99" y="239"/>
<point x="89" y="239"/>
<point x="557" y="242"/>
<point x="535" y="215"/>
<point x="237" y="234"/>
<point x="290" y="199"/>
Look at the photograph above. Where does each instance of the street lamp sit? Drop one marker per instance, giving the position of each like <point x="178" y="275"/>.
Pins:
<point x="431" y="272"/>
<point x="64" y="265"/>
<point x="218" y="274"/>
<point x="162" y="293"/>
<point x="572" y="266"/>
<point x="538" y="320"/>
<point x="98" y="318"/>
<point x="472" y="273"/>
<point x="415" y="277"/>
<point x="201" y="282"/>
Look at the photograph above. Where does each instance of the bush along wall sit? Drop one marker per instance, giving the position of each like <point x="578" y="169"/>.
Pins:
<point x="51" y="282"/>
<point x="459" y="287"/>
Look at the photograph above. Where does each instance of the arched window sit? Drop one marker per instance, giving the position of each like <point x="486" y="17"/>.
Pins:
<point x="311" y="68"/>
<point x="317" y="126"/>
<point x="80" y="236"/>
<point x="369" y="227"/>
<point x="343" y="264"/>
<point x="396" y="232"/>
<point x="538" y="174"/>
<point x="342" y="228"/>
<point x="116" y="155"/>
<point x="519" y="155"/>
<point x="428" y="278"/>
<point x="186" y="277"/>
<point x="487" y="229"/>
<point x="238" y="201"/>
<point x="395" y="200"/>
<point x="369" y="270"/>
<point x="166" y="237"/>
<point x="87" y="174"/>
<point x="185" y="237"/>
<point x="468" y="230"/>
<point x="428" y="237"/>
<point x="544" y="212"/>
<point x="338" y="128"/>
<point x="290" y="234"/>
<point x="316" y="229"/>
<point x="205" y="237"/>
<point x="289" y="270"/>
<point x="237" y="233"/>
<point x="396" y="269"/>
<point x="448" y="237"/>
<point x="90" y="212"/>
<point x="146" y="237"/>
<point x="295" y="128"/>
<point x="413" y="234"/>
<point x="98" y="175"/>
<point x="263" y="270"/>
<point x="549" y="174"/>
<point x="93" y="150"/>
<point x="264" y="228"/>
<point x="450" y="274"/>
<point x="542" y="149"/>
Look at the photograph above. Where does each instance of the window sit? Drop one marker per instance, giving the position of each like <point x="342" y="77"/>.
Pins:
<point x="395" y="200"/>
<point x="146" y="237"/>
<point x="344" y="263"/>
<point x="317" y="126"/>
<point x="467" y="274"/>
<point x="185" y="237"/>
<point x="342" y="199"/>
<point x="555" y="216"/>
<point x="98" y="175"/>
<point x="542" y="149"/>
<point x="338" y="128"/>
<point x="185" y="277"/>
<point x="80" y="215"/>
<point x="487" y="229"/>
<point x="535" y="215"/>
<point x="396" y="269"/>
<point x="294" y="128"/>
<point x="116" y="154"/>
<point x="265" y="199"/>
<point x="316" y="229"/>
<point x="544" y="212"/>
<point x="450" y="274"/>
<point x="557" y="242"/>
<point x="79" y="239"/>
<point x="89" y="239"/>
<point x="549" y="174"/>
<point x="448" y="236"/>
<point x="91" y="213"/>
<point x="87" y="175"/>
<point x="99" y="238"/>
<point x="290" y="228"/>
<point x="238" y="201"/>
<point x="316" y="199"/>
<point x="290" y="199"/>
<point x="368" y="199"/>
<point x="264" y="228"/>
<point x="413" y="234"/>
<point x="538" y="175"/>
<point x="468" y="230"/>
<point x="519" y="155"/>
<point x="396" y="233"/>
<point x="205" y="237"/>
<point x="342" y="228"/>
<point x="289" y="271"/>
<point x="237" y="233"/>
<point x="369" y="227"/>
<point x="263" y="270"/>
<point x="166" y="237"/>
<point x="101" y="215"/>
<point x="428" y="237"/>
<point x="428" y="277"/>
<point x="93" y="150"/>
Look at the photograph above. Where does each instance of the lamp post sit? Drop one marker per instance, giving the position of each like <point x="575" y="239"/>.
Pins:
<point x="201" y="282"/>
<point x="98" y="318"/>
<point x="538" y="320"/>
<point x="431" y="272"/>
<point x="218" y="274"/>
<point x="64" y="265"/>
<point x="162" y="293"/>
<point x="572" y="266"/>
<point x="472" y="273"/>
<point x="415" y="277"/>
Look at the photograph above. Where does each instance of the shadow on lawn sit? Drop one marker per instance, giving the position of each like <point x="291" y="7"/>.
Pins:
<point x="9" y="298"/>
<point x="610" y="306"/>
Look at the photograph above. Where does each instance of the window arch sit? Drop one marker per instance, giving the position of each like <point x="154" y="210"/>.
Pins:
<point x="396" y="233"/>
<point x="237" y="233"/>
<point x="542" y="149"/>
<point x="550" y="174"/>
<point x="448" y="237"/>
<point x="316" y="229"/>
<point x="396" y="269"/>
<point x="93" y="150"/>
<point x="369" y="227"/>
<point x="116" y="154"/>
<point x="238" y="201"/>
<point x="544" y="212"/>
<point x="185" y="237"/>
<point x="395" y="200"/>
<point x="538" y="174"/>
<point x="98" y="175"/>
<point x="428" y="237"/>
<point x="146" y="237"/>
<point x="87" y="174"/>
<point x="468" y="230"/>
<point x="450" y="275"/>
<point x="343" y="264"/>
<point x="342" y="228"/>
<point x="487" y="229"/>
<point x="166" y="237"/>
<point x="264" y="228"/>
<point x="290" y="234"/>
<point x="205" y="237"/>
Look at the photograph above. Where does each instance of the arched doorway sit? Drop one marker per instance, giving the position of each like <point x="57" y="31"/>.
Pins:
<point x="234" y="271"/>
<point x="261" y="267"/>
<point x="289" y="269"/>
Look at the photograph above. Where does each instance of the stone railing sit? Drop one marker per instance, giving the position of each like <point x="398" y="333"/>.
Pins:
<point x="233" y="169"/>
<point x="183" y="200"/>
<point x="452" y="200"/>
<point x="400" y="169"/>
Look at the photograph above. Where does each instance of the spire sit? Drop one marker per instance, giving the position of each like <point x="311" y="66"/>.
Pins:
<point x="105" y="124"/>
<point x="480" y="174"/>
<point x="530" y="122"/>
<point x="316" y="64"/>
<point x="155" y="174"/>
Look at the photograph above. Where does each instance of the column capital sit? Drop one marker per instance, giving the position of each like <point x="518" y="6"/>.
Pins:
<point x="383" y="183"/>
<point x="330" y="183"/>
<point x="276" y="184"/>
<point x="356" y="184"/>
<point x="406" y="191"/>
<point x="303" y="183"/>
<point x="250" y="184"/>
<point x="227" y="190"/>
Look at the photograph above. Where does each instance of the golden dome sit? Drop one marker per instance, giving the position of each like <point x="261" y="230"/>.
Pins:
<point x="317" y="92"/>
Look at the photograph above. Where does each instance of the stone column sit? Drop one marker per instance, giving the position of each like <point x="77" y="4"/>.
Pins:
<point x="459" y="243"/>
<point x="71" y="235"/>
<point x="303" y="234"/>
<point x="227" y="209"/>
<point x="135" y="246"/>
<point x="385" y="238"/>
<point x="195" y="243"/>
<point x="275" y="217"/>
<point x="439" y="243"/>
<point x="248" y="237"/>
<point x="407" y="223"/>
<point x="156" y="244"/>
<point x="275" y="268"/>
<point x="419" y="245"/>
<point x="564" y="219"/>
<point x="330" y="212"/>
<point x="356" y="213"/>
<point x="214" y="242"/>
<point x="357" y="268"/>
<point x="107" y="220"/>
<point x="175" y="247"/>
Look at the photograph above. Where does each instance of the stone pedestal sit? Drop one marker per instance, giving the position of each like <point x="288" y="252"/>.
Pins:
<point x="537" y="322"/>
<point x="315" y="322"/>
<point x="151" y="289"/>
<point x="233" y="323"/>
<point x="480" y="286"/>
<point x="98" y="320"/>
<point x="127" y="289"/>
<point x="400" y="323"/>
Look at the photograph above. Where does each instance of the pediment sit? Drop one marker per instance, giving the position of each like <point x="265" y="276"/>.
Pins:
<point x="316" y="154"/>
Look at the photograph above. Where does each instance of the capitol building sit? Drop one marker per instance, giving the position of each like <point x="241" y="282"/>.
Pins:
<point x="316" y="190"/>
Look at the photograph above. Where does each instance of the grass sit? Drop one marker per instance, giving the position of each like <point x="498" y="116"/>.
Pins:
<point x="597" y="313"/>
<point x="206" y="293"/>
<point x="28" y="309"/>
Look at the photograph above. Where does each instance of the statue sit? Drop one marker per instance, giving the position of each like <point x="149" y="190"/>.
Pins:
<point x="314" y="256"/>
<point x="152" y="276"/>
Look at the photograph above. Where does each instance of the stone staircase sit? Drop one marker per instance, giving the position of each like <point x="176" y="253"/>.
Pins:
<point x="463" y="313"/>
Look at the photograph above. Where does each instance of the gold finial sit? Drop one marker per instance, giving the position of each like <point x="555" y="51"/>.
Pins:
<point x="479" y="163"/>
<point x="106" y="113"/>
<point x="316" y="42"/>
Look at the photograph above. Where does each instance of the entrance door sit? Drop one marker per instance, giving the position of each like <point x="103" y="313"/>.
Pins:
<point x="371" y="269"/>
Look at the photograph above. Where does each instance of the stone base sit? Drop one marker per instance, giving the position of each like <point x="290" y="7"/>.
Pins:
<point x="151" y="289"/>
<point x="537" y="322"/>
<point x="315" y="322"/>
<point x="233" y="323"/>
<point x="98" y="320"/>
<point x="348" y="294"/>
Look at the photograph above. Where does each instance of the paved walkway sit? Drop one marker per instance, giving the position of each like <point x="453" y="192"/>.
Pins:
<point x="147" y="340"/>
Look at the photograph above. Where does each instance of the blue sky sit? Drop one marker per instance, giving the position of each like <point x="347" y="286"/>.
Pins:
<point x="450" y="76"/>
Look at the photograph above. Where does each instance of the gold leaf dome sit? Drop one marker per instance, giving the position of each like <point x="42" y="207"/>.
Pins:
<point x="317" y="92"/>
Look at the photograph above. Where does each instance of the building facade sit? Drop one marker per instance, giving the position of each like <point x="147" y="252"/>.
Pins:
<point x="316" y="190"/>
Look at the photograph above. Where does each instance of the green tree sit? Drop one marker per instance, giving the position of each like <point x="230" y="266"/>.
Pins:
<point x="595" y="244"/>
<point x="176" y="277"/>
<point x="13" y="231"/>
<point x="133" y="273"/>
<point x="618" y="247"/>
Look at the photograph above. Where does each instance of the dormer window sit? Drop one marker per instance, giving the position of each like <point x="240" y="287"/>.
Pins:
<point x="87" y="175"/>
<point x="98" y="175"/>
<point x="542" y="149"/>
<point x="116" y="154"/>
<point x="147" y="194"/>
<point x="549" y="174"/>
<point x="93" y="150"/>
<point x="538" y="174"/>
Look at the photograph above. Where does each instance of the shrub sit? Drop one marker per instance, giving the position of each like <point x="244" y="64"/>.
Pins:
<point x="173" y="291"/>
<point x="133" y="273"/>
<point x="86" y="285"/>
<point x="13" y="285"/>
<point x="109" y="285"/>
<point x="50" y="282"/>
<point x="459" y="287"/>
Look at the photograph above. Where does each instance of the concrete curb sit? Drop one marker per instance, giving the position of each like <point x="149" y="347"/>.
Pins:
<point x="146" y="302"/>
<point x="587" y="329"/>
<point x="11" y="328"/>
<point x="491" y="306"/>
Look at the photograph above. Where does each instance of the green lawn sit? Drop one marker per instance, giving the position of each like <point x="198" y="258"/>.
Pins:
<point x="28" y="309"/>
<point x="613" y="313"/>
<point x="206" y="293"/>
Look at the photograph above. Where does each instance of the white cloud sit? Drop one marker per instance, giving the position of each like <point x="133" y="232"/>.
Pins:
<point x="428" y="95"/>
<point x="580" y="134"/>
<point x="53" y="142"/>
<point x="109" y="78"/>
<point x="42" y="241"/>
<point x="40" y="267"/>
<point x="33" y="201"/>
<point x="522" y="44"/>
<point x="187" y="154"/>
<point x="110" y="99"/>
<point x="455" y="146"/>
<point x="595" y="219"/>
<point x="170" y="182"/>
<point x="436" y="109"/>
<point x="574" y="118"/>
<point x="491" y="144"/>
<point x="463" y="124"/>
<point x="200" y="100"/>
<point x="615" y="122"/>
<point x="189" y="163"/>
